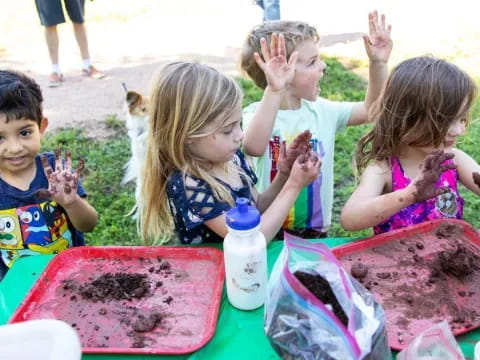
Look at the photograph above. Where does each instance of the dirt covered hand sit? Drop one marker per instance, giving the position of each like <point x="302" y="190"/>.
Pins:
<point x="305" y="169"/>
<point x="62" y="181"/>
<point x="278" y="72"/>
<point x="299" y="146"/>
<point x="430" y="170"/>
<point x="378" y="43"/>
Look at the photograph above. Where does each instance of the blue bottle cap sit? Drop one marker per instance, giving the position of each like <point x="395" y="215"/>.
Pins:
<point x="243" y="217"/>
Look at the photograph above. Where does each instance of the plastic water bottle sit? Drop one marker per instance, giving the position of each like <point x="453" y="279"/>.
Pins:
<point x="245" y="255"/>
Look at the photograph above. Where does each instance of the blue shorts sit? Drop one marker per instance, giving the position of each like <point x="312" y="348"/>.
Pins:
<point x="51" y="11"/>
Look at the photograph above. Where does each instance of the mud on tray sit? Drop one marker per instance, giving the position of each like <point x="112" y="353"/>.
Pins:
<point x="420" y="275"/>
<point x="132" y="300"/>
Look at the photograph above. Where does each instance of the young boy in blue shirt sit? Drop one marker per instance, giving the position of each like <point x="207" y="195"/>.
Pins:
<point x="43" y="207"/>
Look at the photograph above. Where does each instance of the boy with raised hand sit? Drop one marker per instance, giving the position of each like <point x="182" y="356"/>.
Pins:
<point x="43" y="206"/>
<point x="289" y="71"/>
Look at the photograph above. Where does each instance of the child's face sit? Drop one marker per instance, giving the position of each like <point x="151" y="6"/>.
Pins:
<point x="220" y="146"/>
<point x="456" y="129"/>
<point x="19" y="144"/>
<point x="308" y="72"/>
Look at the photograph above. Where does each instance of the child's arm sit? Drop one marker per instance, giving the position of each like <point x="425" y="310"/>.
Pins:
<point x="367" y="206"/>
<point x="62" y="188"/>
<point x="304" y="172"/>
<point x="378" y="45"/>
<point x="279" y="73"/>
<point x="466" y="168"/>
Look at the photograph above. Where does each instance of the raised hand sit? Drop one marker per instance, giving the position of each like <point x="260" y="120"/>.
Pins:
<point x="62" y="182"/>
<point x="273" y="62"/>
<point x="299" y="146"/>
<point x="430" y="171"/>
<point x="378" y="42"/>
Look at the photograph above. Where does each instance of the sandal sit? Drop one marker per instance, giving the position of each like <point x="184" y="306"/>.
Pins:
<point x="55" y="80"/>
<point x="93" y="72"/>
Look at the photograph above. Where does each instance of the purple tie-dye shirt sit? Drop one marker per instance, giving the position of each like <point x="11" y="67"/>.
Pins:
<point x="447" y="205"/>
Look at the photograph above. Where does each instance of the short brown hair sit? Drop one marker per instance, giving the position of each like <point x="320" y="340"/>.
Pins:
<point x="423" y="96"/>
<point x="20" y="97"/>
<point x="295" y="32"/>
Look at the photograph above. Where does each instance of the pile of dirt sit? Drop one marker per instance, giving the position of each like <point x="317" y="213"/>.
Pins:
<point x="422" y="277"/>
<point x="320" y="287"/>
<point x="118" y="286"/>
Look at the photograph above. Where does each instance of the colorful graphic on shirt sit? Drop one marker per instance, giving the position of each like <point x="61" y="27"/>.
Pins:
<point x="10" y="234"/>
<point x="33" y="229"/>
<point x="307" y="211"/>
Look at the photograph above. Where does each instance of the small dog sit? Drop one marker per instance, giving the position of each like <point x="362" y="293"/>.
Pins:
<point x="136" y="111"/>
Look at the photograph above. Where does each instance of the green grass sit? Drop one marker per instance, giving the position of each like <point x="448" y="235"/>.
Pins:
<point x="105" y="160"/>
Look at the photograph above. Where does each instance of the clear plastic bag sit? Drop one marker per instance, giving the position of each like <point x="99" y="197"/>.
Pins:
<point x="435" y="343"/>
<point x="299" y="326"/>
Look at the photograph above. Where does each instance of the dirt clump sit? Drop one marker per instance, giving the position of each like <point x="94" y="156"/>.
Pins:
<point x="117" y="286"/>
<point x="320" y="287"/>
<point x="359" y="270"/>
<point x="458" y="262"/>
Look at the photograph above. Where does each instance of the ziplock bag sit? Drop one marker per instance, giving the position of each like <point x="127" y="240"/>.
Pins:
<point x="300" y="326"/>
<point x="435" y="343"/>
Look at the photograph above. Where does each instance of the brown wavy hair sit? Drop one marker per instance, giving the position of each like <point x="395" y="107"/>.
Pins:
<point x="295" y="32"/>
<point x="420" y="100"/>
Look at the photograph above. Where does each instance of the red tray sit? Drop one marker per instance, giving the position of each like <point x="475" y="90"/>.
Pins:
<point x="413" y="296"/>
<point x="189" y="295"/>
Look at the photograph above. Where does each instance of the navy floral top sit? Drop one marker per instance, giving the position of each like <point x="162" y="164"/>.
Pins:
<point x="192" y="203"/>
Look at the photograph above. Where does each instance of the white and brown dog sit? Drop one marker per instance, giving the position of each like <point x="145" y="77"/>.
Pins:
<point x="136" y="112"/>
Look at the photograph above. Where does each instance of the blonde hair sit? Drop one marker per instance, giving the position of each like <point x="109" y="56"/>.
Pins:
<point x="184" y="99"/>
<point x="421" y="99"/>
<point x="294" y="32"/>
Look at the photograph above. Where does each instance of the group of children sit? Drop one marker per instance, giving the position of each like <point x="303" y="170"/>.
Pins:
<point x="200" y="142"/>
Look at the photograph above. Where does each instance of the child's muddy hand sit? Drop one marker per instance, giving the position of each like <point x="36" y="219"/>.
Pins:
<point x="430" y="171"/>
<point x="476" y="178"/>
<point x="305" y="170"/>
<point x="299" y="146"/>
<point x="62" y="181"/>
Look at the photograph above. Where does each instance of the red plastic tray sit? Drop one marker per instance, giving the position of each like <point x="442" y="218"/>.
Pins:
<point x="195" y="284"/>
<point x="412" y="299"/>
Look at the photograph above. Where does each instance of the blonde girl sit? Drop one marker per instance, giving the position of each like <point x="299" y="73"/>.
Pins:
<point x="409" y="164"/>
<point x="194" y="169"/>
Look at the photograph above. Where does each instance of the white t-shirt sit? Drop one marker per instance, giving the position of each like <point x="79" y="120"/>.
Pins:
<point x="324" y="119"/>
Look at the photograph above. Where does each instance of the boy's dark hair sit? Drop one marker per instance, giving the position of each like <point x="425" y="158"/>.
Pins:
<point x="20" y="97"/>
<point x="294" y="32"/>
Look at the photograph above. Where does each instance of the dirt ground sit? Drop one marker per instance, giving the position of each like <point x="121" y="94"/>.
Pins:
<point x="129" y="40"/>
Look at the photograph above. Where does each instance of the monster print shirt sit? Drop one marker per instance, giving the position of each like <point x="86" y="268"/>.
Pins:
<point x="192" y="202"/>
<point x="324" y="119"/>
<point x="32" y="226"/>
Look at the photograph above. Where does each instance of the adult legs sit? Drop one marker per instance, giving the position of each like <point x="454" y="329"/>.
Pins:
<point x="51" y="37"/>
<point x="82" y="41"/>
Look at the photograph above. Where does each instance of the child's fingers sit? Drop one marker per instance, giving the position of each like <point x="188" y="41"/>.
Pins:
<point x="293" y="59"/>
<point x="441" y="190"/>
<point x="47" y="169"/>
<point x="382" y="22"/>
<point x="274" y="45"/>
<point x="264" y="48"/>
<point x="80" y="168"/>
<point x="43" y="194"/>
<point x="283" y="149"/>
<point x="447" y="167"/>
<point x="68" y="161"/>
<point x="259" y="61"/>
<point x="281" y="46"/>
<point x="58" y="160"/>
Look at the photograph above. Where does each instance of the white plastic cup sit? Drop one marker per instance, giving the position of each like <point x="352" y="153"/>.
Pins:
<point x="46" y="339"/>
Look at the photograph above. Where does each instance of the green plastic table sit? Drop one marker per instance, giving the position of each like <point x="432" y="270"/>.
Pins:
<point x="239" y="334"/>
